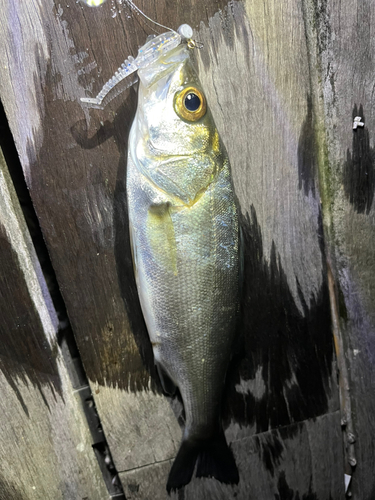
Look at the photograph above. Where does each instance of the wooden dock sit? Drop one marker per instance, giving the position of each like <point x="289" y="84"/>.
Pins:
<point x="83" y="416"/>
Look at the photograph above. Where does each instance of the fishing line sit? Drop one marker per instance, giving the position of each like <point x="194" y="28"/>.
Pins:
<point x="139" y="11"/>
<point x="97" y="3"/>
<point x="154" y="47"/>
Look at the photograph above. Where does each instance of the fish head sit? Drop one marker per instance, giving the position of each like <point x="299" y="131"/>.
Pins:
<point x="174" y="140"/>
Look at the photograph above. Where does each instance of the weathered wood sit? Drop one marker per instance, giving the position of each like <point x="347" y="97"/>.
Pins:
<point x="264" y="113"/>
<point x="346" y="49"/>
<point x="85" y="226"/>
<point x="272" y="462"/>
<point x="255" y="70"/>
<point x="45" y="443"/>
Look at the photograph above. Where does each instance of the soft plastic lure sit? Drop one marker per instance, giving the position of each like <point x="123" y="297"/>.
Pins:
<point x="126" y="74"/>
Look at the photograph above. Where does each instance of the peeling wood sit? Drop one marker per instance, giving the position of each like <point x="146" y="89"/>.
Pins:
<point x="45" y="444"/>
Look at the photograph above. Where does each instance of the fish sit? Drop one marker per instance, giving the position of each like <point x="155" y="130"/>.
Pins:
<point x="184" y="233"/>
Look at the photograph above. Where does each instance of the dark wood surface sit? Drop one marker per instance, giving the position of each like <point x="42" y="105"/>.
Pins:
<point x="264" y="68"/>
<point x="45" y="443"/>
<point x="348" y="66"/>
<point x="271" y="462"/>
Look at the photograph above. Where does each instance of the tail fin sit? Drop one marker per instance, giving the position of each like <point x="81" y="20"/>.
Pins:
<point x="214" y="459"/>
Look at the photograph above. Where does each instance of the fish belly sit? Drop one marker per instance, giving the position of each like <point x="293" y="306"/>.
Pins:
<point x="187" y="273"/>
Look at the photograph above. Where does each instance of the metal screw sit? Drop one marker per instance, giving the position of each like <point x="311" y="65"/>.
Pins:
<point x="357" y="122"/>
<point x="351" y="438"/>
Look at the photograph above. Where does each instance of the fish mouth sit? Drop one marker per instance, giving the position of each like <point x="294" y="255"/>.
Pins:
<point x="166" y="64"/>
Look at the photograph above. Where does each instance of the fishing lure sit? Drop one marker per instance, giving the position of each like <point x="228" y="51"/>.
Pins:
<point x="153" y="50"/>
<point x="183" y="223"/>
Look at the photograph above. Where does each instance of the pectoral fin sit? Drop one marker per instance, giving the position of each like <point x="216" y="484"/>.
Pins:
<point x="167" y="384"/>
<point x="161" y="237"/>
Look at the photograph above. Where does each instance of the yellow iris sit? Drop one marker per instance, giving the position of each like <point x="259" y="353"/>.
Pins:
<point x="190" y="104"/>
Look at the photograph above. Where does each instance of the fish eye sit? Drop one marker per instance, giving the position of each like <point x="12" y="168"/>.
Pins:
<point x="190" y="104"/>
<point x="192" y="101"/>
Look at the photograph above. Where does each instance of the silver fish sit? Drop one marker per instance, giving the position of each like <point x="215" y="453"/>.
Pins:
<point x="184" y="233"/>
<point x="185" y="243"/>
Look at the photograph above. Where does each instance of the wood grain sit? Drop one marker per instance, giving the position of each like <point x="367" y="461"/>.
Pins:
<point x="272" y="463"/>
<point x="45" y="443"/>
<point x="254" y="67"/>
<point x="264" y="113"/>
<point x="347" y="67"/>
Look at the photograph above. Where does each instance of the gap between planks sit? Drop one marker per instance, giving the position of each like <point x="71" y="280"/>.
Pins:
<point x="156" y="462"/>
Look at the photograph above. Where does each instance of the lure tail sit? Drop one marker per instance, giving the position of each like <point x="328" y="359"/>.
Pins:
<point x="126" y="73"/>
<point x="213" y="457"/>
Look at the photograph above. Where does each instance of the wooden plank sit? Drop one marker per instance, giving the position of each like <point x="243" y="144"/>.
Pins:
<point x="264" y="113"/>
<point x="347" y="69"/>
<point x="45" y="443"/>
<point x="85" y="226"/>
<point x="271" y="461"/>
<point x="255" y="69"/>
